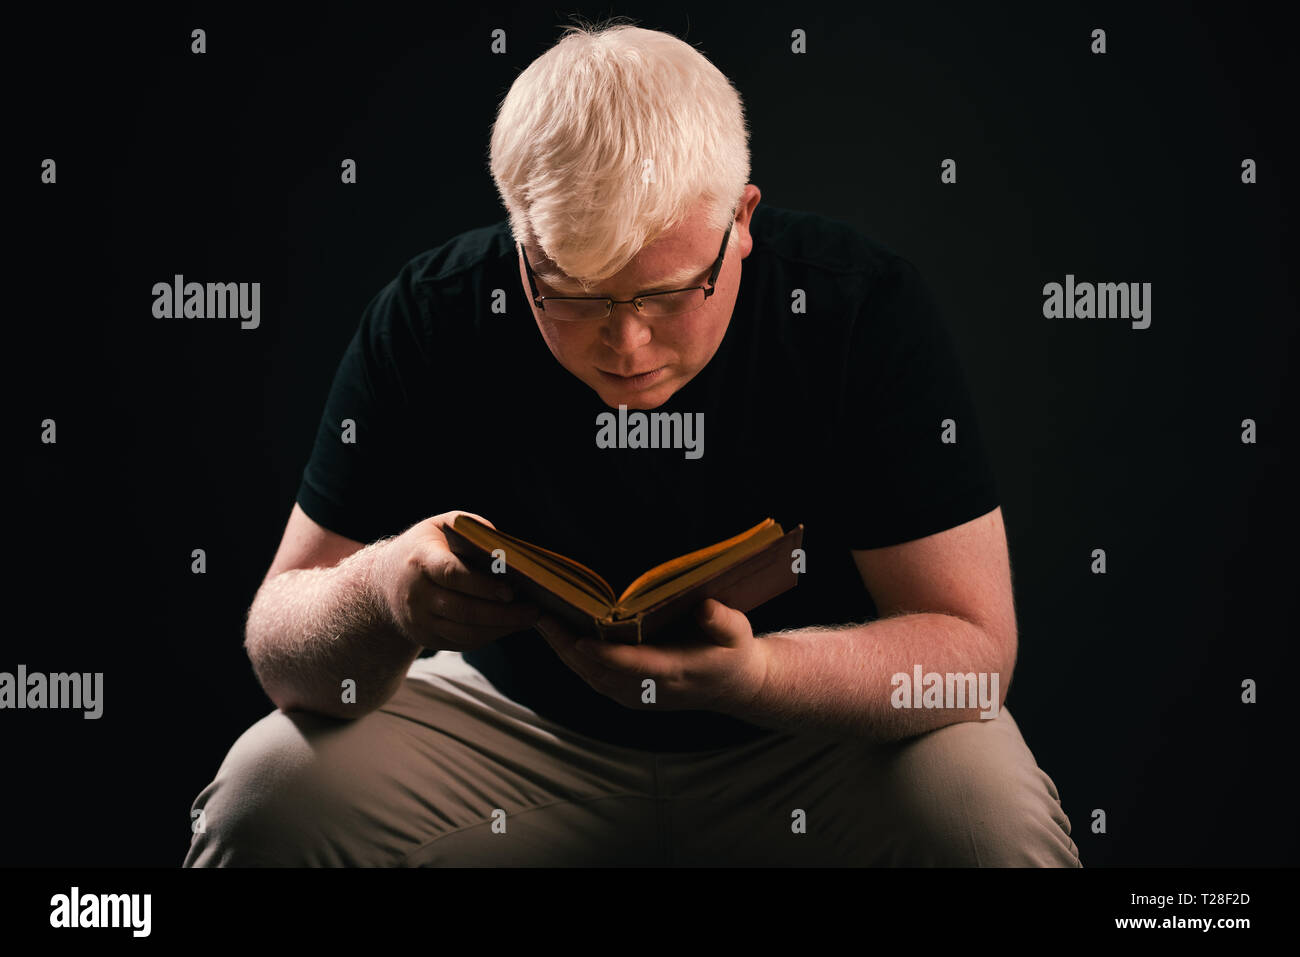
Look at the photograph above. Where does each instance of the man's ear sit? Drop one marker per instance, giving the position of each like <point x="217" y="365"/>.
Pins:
<point x="745" y="213"/>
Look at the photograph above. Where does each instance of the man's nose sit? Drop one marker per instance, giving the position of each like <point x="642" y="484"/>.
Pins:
<point x="626" y="330"/>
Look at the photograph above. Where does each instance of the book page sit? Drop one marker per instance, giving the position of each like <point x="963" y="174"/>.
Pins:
<point x="654" y="582"/>
<point x="533" y="559"/>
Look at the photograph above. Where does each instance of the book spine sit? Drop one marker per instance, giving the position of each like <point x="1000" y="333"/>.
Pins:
<point x="627" y="631"/>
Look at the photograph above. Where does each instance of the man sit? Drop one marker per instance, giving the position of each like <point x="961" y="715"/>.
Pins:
<point x="638" y="269"/>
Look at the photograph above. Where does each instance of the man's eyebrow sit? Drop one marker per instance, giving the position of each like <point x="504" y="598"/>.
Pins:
<point x="673" y="280"/>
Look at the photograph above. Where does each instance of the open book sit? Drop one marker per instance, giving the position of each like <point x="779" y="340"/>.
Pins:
<point x="742" y="572"/>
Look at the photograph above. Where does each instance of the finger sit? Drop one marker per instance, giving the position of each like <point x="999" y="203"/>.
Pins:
<point x="450" y="517"/>
<point x="562" y="641"/>
<point x="550" y="626"/>
<point x="469" y="610"/>
<point x="720" y="623"/>
<point x="588" y="669"/>
<point x="460" y="636"/>
<point x="446" y="569"/>
<point x="644" y="660"/>
<point x="611" y="659"/>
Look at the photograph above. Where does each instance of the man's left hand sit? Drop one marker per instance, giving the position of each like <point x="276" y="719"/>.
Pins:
<point x="724" y="669"/>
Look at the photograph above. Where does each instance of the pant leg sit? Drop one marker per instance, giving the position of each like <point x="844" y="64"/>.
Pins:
<point x="968" y="794"/>
<point x="418" y="782"/>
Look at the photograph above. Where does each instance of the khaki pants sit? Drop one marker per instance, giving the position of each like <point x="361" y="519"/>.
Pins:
<point x="452" y="773"/>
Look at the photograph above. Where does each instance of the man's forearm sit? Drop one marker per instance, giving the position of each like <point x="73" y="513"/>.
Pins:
<point x="841" y="680"/>
<point x="310" y="629"/>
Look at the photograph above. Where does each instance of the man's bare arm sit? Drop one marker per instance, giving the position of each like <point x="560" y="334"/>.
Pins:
<point x="948" y="607"/>
<point x="309" y="629"/>
<point x="331" y="610"/>
<point x="838" y="680"/>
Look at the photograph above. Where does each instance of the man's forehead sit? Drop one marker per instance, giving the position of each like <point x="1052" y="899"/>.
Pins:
<point x="546" y="270"/>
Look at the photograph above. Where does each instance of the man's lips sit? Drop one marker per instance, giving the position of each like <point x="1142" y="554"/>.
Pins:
<point x="631" y="375"/>
<point x="642" y="380"/>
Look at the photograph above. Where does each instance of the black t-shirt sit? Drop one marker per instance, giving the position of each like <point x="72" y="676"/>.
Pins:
<point x="830" y="416"/>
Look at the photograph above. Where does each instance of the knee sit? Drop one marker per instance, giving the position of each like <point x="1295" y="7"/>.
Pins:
<point x="972" y="795"/>
<point x="274" y="800"/>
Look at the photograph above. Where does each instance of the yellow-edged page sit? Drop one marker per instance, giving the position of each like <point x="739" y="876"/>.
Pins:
<point x="571" y="580"/>
<point x="681" y="573"/>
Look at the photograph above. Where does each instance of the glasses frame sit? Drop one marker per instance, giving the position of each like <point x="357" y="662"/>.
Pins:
<point x="709" y="287"/>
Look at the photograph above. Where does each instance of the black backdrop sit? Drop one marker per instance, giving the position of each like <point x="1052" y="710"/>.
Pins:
<point x="183" y="434"/>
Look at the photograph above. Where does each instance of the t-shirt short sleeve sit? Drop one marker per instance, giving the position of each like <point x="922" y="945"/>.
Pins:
<point x="354" y="483"/>
<point x="912" y="459"/>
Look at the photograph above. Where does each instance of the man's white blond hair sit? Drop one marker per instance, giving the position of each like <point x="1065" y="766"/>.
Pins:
<point x="611" y="137"/>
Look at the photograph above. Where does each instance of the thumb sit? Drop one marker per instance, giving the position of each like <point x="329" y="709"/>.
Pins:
<point x="718" y="622"/>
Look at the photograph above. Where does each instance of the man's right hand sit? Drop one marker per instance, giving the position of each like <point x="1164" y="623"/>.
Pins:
<point x="439" y="603"/>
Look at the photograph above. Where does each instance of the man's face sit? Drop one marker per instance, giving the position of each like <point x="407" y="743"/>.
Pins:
<point x="608" y="354"/>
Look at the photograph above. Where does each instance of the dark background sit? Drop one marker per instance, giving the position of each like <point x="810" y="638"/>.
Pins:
<point x="183" y="434"/>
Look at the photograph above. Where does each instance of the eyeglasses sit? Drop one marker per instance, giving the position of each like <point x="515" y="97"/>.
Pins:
<point x="671" y="302"/>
